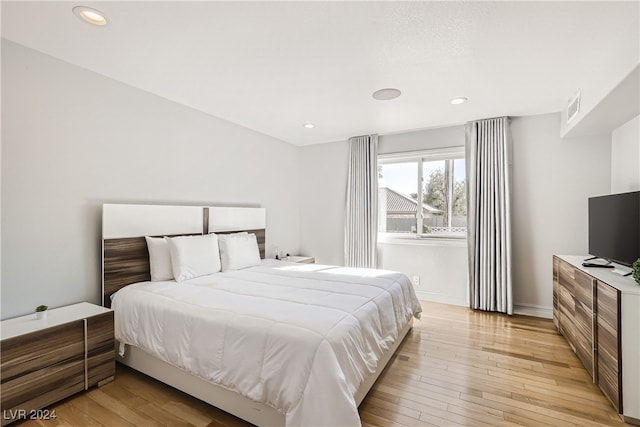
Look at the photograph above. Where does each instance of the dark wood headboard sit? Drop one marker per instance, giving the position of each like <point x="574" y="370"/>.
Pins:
<point x="126" y="259"/>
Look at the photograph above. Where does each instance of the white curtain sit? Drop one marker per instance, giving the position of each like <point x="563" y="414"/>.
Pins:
<point x="488" y="160"/>
<point x="361" y="224"/>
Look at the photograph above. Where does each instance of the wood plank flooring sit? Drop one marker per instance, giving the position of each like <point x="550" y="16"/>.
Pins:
<point x="457" y="367"/>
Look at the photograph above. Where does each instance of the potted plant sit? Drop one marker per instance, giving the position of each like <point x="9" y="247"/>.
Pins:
<point x="41" y="312"/>
<point x="636" y="271"/>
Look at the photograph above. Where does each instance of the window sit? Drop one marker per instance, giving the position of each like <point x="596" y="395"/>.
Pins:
<point x="435" y="177"/>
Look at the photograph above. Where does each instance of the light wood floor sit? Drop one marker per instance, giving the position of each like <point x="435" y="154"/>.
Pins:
<point x="457" y="367"/>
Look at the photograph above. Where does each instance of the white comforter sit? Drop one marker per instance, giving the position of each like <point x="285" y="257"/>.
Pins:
<point x="298" y="337"/>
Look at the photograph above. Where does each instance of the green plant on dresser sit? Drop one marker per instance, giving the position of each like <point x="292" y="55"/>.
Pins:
<point x="636" y="271"/>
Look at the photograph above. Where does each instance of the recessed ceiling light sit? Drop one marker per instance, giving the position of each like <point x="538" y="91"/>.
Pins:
<point x="386" y="94"/>
<point x="459" y="100"/>
<point x="309" y="125"/>
<point x="92" y="16"/>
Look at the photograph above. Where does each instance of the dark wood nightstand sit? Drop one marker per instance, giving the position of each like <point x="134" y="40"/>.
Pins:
<point x="46" y="360"/>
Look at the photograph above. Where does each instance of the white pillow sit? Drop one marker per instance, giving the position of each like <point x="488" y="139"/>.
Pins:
<point x="239" y="250"/>
<point x="159" y="259"/>
<point x="194" y="256"/>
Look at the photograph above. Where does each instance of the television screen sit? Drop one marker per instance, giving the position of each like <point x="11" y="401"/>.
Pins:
<point x="614" y="227"/>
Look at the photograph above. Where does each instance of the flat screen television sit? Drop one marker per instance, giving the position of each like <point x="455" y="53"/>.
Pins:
<point x="614" y="227"/>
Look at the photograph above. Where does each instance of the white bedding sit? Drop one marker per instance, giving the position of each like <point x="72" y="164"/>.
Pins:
<point x="298" y="337"/>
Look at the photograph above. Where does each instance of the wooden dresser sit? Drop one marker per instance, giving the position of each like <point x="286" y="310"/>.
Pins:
<point x="46" y="360"/>
<point x="598" y="312"/>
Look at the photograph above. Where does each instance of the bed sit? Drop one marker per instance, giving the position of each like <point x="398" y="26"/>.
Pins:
<point x="274" y="343"/>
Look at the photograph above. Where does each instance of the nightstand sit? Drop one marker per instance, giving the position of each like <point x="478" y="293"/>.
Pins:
<point x="47" y="360"/>
<point x="300" y="259"/>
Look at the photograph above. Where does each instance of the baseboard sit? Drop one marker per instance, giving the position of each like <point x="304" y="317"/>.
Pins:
<point x="443" y="299"/>
<point x="522" y="309"/>
<point x="533" y="310"/>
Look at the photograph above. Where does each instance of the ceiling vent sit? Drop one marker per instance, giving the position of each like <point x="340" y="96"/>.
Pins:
<point x="574" y="107"/>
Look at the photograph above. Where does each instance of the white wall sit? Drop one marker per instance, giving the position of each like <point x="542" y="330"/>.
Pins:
<point x="625" y="157"/>
<point x="552" y="181"/>
<point x="73" y="140"/>
<point x="452" y="136"/>
<point x="323" y="185"/>
<point x="442" y="268"/>
<point x="616" y="62"/>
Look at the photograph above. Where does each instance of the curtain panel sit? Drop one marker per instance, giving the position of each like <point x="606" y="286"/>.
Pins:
<point x="361" y="223"/>
<point x="488" y="170"/>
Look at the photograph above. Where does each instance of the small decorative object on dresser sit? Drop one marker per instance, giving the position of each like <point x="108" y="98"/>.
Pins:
<point x="44" y="362"/>
<point x="41" y="312"/>
<point x="636" y="271"/>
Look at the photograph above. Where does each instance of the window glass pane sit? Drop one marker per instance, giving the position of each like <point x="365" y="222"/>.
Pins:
<point x="397" y="197"/>
<point x="459" y="220"/>
<point x="435" y="204"/>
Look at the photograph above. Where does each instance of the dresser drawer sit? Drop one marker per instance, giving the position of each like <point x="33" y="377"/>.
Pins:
<point x="579" y="284"/>
<point x="608" y="305"/>
<point x="576" y="312"/>
<point x="608" y="344"/>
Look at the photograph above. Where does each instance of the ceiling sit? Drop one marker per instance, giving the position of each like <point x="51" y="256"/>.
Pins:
<point x="273" y="66"/>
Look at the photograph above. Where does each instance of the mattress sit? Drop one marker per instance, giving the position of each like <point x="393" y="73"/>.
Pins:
<point x="300" y="338"/>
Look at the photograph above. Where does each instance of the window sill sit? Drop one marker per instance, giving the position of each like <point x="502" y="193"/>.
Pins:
<point x="412" y="239"/>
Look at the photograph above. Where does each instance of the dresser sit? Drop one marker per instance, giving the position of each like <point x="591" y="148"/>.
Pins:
<point x="46" y="360"/>
<point x="597" y="310"/>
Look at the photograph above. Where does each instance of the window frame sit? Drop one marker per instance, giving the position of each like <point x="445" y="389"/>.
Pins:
<point x="421" y="156"/>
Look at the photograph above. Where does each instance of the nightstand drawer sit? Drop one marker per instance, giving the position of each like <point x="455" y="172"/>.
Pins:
<point x="32" y="352"/>
<point x="46" y="385"/>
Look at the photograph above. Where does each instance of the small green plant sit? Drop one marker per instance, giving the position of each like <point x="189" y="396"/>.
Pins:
<point x="41" y="308"/>
<point x="636" y="270"/>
